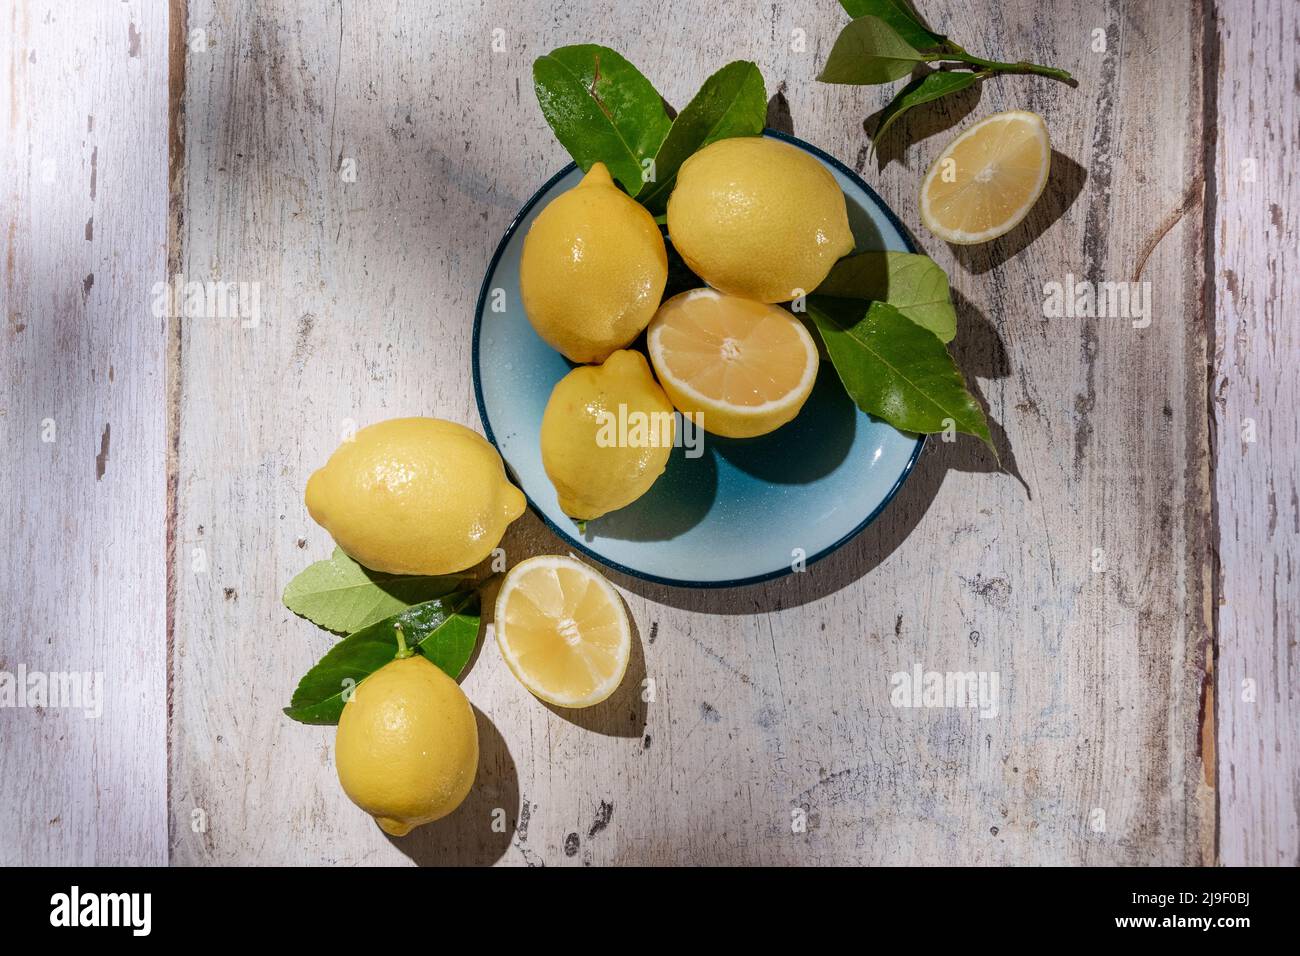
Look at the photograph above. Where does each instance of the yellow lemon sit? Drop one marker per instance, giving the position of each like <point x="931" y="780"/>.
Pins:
<point x="745" y="367"/>
<point x="415" y="496"/>
<point x="563" y="631"/>
<point x="987" y="179"/>
<point x="606" y="435"/>
<point x="593" y="269"/>
<point x="755" y="217"/>
<point x="407" y="745"/>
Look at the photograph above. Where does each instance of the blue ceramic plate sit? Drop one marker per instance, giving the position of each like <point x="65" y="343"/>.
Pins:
<point x="745" y="510"/>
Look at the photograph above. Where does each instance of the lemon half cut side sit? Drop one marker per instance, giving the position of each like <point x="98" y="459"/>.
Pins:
<point x="744" y="368"/>
<point x="986" y="180"/>
<point x="563" y="631"/>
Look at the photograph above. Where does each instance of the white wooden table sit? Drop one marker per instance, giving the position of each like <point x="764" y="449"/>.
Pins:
<point x="1132" y="580"/>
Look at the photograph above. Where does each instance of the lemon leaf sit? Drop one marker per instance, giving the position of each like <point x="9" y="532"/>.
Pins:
<point x="602" y="110"/>
<point x="926" y="89"/>
<point x="732" y="102"/>
<point x="914" y="284"/>
<point x="444" y="630"/>
<point x="869" y="50"/>
<point x="896" y="370"/>
<point x="902" y="16"/>
<point x="340" y="595"/>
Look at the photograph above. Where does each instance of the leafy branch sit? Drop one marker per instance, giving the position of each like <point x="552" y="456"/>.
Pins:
<point x="385" y="617"/>
<point x="887" y="39"/>
<point x="885" y="319"/>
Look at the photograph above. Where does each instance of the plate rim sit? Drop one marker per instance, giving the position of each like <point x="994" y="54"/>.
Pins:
<point x="576" y="543"/>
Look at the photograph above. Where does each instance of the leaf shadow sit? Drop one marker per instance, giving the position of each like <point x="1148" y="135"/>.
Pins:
<point x="920" y="122"/>
<point x="1064" y="183"/>
<point x="467" y="836"/>
<point x="980" y="352"/>
<point x="778" y="112"/>
<point x="478" y="638"/>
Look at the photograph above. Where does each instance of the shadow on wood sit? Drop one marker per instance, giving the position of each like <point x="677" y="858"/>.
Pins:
<point x="480" y="830"/>
<point x="1064" y="183"/>
<point x="979" y="352"/>
<point x="624" y="713"/>
<point x="778" y="112"/>
<point x="920" y="122"/>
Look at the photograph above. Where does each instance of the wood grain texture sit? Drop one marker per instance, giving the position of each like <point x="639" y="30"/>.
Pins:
<point x="770" y="701"/>
<point x="794" y="676"/>
<point x="1255" y="396"/>
<point x="83" y="211"/>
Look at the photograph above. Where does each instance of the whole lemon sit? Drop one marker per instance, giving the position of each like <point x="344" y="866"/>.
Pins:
<point x="758" y="218"/>
<point x="606" y="435"/>
<point x="593" y="269"/>
<point x="407" y="745"/>
<point x="415" y="496"/>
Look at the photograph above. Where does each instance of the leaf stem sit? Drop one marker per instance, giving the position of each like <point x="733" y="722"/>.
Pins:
<point x="403" y="652"/>
<point x="1020" y="66"/>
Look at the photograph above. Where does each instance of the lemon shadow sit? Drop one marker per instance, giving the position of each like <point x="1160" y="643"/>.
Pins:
<point x="678" y="500"/>
<point x="809" y="447"/>
<point x="1065" y="181"/>
<point x="624" y="713"/>
<point x="480" y="830"/>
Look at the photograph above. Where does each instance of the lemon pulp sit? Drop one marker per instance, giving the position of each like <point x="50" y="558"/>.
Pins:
<point x="745" y="367"/>
<point x="563" y="631"/>
<point x="987" y="179"/>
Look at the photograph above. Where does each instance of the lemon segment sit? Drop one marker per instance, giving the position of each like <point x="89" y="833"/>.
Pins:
<point x="415" y="496"/>
<point x="406" y="749"/>
<point x="987" y="179"/>
<point x="745" y="367"/>
<point x="755" y="217"/>
<point x="593" y="269"/>
<point x="563" y="631"/>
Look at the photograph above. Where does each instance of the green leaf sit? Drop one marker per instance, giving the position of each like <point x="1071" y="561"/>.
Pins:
<point x="926" y="89"/>
<point x="869" y="50"/>
<point x="896" y="370"/>
<point x="444" y="630"/>
<point x="900" y="15"/>
<point x="602" y="110"/>
<point x="342" y="596"/>
<point x="913" y="284"/>
<point x="732" y="102"/>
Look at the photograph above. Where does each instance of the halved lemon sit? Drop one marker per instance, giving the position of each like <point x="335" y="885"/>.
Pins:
<point x="562" y="630"/>
<point x="987" y="179"/>
<point x="745" y="367"/>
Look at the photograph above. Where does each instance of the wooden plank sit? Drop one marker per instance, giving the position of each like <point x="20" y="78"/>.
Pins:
<point x="1084" y="586"/>
<point x="82" y="217"/>
<point x="1256" y="393"/>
